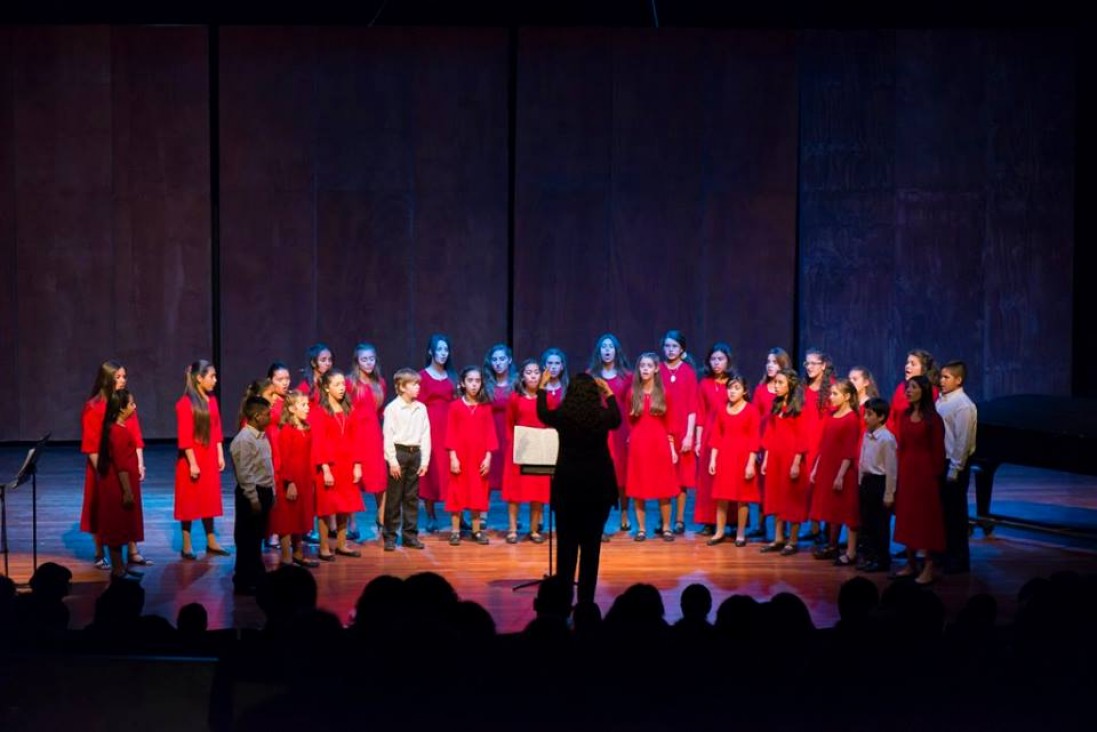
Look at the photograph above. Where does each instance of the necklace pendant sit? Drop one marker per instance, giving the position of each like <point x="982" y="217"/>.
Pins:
<point x="673" y="378"/>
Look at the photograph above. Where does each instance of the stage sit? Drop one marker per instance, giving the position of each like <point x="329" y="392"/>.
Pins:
<point x="488" y="574"/>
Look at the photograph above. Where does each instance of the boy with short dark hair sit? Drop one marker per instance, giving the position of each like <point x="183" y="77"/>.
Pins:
<point x="254" y="469"/>
<point x="960" y="416"/>
<point x="878" y="471"/>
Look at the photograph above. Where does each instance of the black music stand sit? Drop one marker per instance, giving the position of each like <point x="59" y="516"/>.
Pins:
<point x="539" y="470"/>
<point x="29" y="470"/>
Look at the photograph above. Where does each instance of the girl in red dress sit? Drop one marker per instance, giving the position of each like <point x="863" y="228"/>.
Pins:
<point x="777" y="360"/>
<point x="610" y="363"/>
<point x="555" y="363"/>
<point x="834" y="474"/>
<point x="734" y="442"/>
<point x="366" y="389"/>
<point x="919" y="363"/>
<point x="438" y="387"/>
<point x="817" y="380"/>
<point x="470" y="440"/>
<point x="500" y="378"/>
<point x="519" y="488"/>
<point x="337" y="454"/>
<point x="294" y="508"/>
<point x="712" y="397"/>
<point x="919" y="519"/>
<point x="680" y="381"/>
<point x="111" y="377"/>
<point x="865" y="384"/>
<point x="201" y="457"/>
<point x="320" y="362"/>
<point x="652" y="452"/>
<point x="784" y="444"/>
<point x="118" y="519"/>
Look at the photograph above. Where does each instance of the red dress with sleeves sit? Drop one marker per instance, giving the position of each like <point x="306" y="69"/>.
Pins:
<point x="197" y="499"/>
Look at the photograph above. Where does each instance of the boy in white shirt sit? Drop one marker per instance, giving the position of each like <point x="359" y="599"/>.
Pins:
<point x="878" y="471"/>
<point x="407" y="447"/>
<point x="961" y="418"/>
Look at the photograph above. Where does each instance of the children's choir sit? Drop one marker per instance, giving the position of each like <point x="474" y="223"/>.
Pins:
<point x="799" y="446"/>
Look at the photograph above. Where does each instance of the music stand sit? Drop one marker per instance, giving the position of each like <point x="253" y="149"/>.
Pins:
<point x="535" y="450"/>
<point x="29" y="470"/>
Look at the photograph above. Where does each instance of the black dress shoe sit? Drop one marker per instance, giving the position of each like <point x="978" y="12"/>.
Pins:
<point x="218" y="551"/>
<point x="189" y="556"/>
<point x="414" y="544"/>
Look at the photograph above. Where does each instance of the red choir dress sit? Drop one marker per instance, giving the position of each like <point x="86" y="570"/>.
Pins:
<point x="841" y="440"/>
<point x="470" y="433"/>
<point x="812" y="418"/>
<point x="736" y="440"/>
<point x="553" y="398"/>
<point x="712" y="400"/>
<point x="436" y="395"/>
<point x="366" y="413"/>
<point x="651" y="471"/>
<point x="294" y="517"/>
<point x="785" y="498"/>
<point x="335" y="443"/>
<point x="272" y="439"/>
<point x="919" y="519"/>
<point x="621" y="384"/>
<point x="313" y="394"/>
<point x="500" y="398"/>
<point x="519" y="488"/>
<point x="762" y="400"/>
<point x="197" y="499"/>
<point x="116" y="525"/>
<point x="899" y="406"/>
<point x="680" y="385"/>
<point x="91" y="424"/>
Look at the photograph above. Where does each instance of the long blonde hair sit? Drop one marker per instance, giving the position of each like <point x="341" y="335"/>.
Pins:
<point x="658" y="394"/>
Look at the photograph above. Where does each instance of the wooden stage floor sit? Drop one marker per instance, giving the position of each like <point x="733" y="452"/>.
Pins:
<point x="487" y="574"/>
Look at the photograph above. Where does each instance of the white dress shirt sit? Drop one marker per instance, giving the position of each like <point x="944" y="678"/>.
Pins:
<point x="406" y="423"/>
<point x="960" y="417"/>
<point x="879" y="456"/>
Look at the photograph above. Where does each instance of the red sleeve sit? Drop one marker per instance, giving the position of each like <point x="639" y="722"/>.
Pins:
<point x="359" y="446"/>
<point x="690" y="394"/>
<point x="184" y="424"/>
<point x="851" y="439"/>
<point x="898" y="407"/>
<point x="754" y="437"/>
<point x="323" y="451"/>
<point x="216" y="434"/>
<point x="512" y="414"/>
<point x="800" y="435"/>
<point x="937" y="440"/>
<point x="453" y="426"/>
<point x="91" y="425"/>
<point x="489" y="429"/>
<point x="134" y="426"/>
<point x="123" y="453"/>
<point x="766" y="435"/>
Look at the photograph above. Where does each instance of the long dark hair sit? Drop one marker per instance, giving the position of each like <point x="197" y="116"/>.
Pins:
<point x="582" y="404"/>
<point x="482" y="397"/>
<point x="104" y="380"/>
<point x="313" y="356"/>
<point x="488" y="372"/>
<point x="658" y="393"/>
<point x="719" y="347"/>
<point x="925" y="405"/>
<point x="792" y="403"/>
<point x="199" y="404"/>
<point x="563" y="366"/>
<point x="432" y="344"/>
<point x="117" y="401"/>
<point x="620" y="360"/>
<point x="677" y="337"/>
<point x="784" y="361"/>
<point x="325" y="397"/>
<point x="826" y="378"/>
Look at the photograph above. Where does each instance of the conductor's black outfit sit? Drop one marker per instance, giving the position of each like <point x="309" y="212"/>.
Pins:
<point x="584" y="487"/>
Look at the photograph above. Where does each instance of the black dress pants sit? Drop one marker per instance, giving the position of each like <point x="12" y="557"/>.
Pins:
<point x="579" y="530"/>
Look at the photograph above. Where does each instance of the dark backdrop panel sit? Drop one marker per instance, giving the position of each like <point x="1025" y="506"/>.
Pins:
<point x="62" y="132"/>
<point x="161" y="227"/>
<point x="1031" y="102"/>
<point x="9" y="332"/>
<point x="655" y="190"/>
<point x="847" y="199"/>
<point x="267" y="130"/>
<point x="949" y="195"/>
<point x="386" y="154"/>
<point x="111" y="215"/>
<point x="940" y="174"/>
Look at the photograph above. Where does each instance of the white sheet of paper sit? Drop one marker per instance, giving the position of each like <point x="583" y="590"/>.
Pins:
<point x="535" y="445"/>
